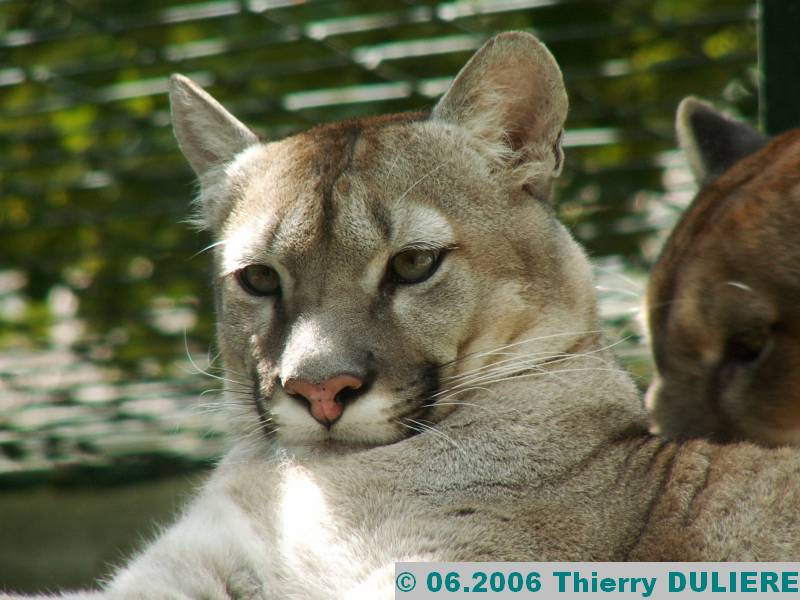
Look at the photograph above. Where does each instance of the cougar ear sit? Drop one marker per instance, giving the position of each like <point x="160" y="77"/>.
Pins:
<point x="711" y="141"/>
<point x="511" y="94"/>
<point x="207" y="134"/>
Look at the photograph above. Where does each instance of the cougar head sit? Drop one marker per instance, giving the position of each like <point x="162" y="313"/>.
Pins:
<point x="364" y="266"/>
<point x="724" y="297"/>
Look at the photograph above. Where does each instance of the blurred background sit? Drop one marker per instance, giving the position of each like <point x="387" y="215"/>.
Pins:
<point x="106" y="421"/>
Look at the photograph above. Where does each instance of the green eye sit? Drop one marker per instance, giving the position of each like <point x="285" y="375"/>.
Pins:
<point x="259" y="280"/>
<point x="413" y="266"/>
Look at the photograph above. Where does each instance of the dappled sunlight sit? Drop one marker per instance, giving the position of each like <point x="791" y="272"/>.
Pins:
<point x="310" y="541"/>
<point x="374" y="585"/>
<point x="304" y="514"/>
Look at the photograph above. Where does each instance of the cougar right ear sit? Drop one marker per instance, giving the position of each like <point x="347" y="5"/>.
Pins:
<point x="511" y="95"/>
<point x="207" y="134"/>
<point x="711" y="141"/>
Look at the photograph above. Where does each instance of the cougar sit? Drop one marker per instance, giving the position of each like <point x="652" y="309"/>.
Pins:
<point x="723" y="297"/>
<point x="414" y="368"/>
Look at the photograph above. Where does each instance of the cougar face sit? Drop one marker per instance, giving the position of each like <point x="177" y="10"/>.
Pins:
<point x="723" y="298"/>
<point x="363" y="267"/>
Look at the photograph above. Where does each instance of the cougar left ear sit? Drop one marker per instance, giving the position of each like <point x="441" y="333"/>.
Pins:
<point x="207" y="133"/>
<point x="711" y="141"/>
<point x="511" y="94"/>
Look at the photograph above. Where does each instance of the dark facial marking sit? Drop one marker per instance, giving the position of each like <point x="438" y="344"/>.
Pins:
<point x="333" y="159"/>
<point x="423" y="403"/>
<point x="267" y="426"/>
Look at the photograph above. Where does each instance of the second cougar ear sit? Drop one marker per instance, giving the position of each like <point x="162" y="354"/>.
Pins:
<point x="511" y="94"/>
<point x="207" y="134"/>
<point x="711" y="141"/>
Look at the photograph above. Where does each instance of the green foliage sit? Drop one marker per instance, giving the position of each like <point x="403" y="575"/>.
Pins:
<point x="94" y="189"/>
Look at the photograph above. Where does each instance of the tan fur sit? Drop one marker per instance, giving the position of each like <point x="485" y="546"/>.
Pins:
<point x="723" y="298"/>
<point x="531" y="444"/>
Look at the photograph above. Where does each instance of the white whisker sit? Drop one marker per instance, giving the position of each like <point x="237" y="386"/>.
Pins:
<point x="527" y="361"/>
<point x="423" y="178"/>
<point x="209" y="247"/>
<point x="435" y="431"/>
<point x="614" y="273"/>
<point x="483" y="353"/>
<point x="603" y="288"/>
<point x="524" y="375"/>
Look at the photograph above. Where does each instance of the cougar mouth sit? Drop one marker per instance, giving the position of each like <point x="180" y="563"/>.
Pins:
<point x="407" y="410"/>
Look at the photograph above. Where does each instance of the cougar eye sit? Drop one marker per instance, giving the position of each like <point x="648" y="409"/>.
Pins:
<point x="748" y="346"/>
<point x="259" y="280"/>
<point x="413" y="266"/>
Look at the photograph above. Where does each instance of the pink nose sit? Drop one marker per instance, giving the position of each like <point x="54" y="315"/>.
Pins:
<point x="322" y="397"/>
